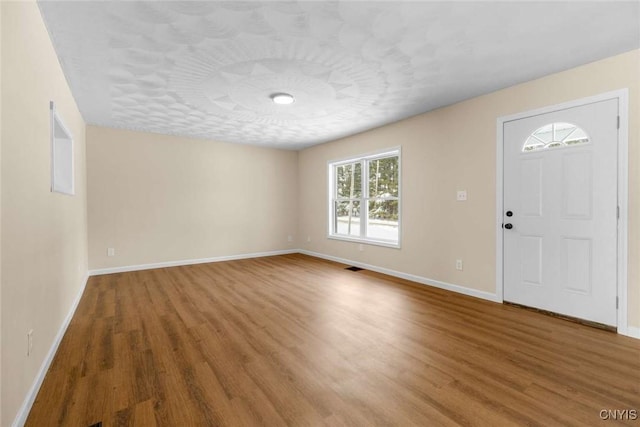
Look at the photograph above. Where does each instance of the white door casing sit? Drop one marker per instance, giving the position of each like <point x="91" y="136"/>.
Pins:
<point x="561" y="254"/>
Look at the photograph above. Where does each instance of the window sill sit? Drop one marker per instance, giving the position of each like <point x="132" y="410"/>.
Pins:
<point x="365" y="241"/>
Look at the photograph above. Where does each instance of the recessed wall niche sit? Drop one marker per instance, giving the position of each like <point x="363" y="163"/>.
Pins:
<point x="62" y="180"/>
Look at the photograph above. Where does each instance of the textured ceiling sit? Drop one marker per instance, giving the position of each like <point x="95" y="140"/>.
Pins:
<point x="206" y="69"/>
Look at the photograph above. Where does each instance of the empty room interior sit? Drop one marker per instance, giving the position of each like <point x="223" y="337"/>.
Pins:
<point x="319" y="213"/>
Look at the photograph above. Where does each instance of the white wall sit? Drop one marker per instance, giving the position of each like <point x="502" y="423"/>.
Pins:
<point x="156" y="198"/>
<point x="454" y="148"/>
<point x="44" y="235"/>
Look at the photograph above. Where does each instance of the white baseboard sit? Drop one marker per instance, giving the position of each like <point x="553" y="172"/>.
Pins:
<point x="629" y="331"/>
<point x="24" y="410"/>
<point x="632" y="332"/>
<point x="419" y="279"/>
<point x="179" y="263"/>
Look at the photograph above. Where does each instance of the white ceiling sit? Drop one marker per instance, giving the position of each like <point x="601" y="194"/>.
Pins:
<point x="206" y="69"/>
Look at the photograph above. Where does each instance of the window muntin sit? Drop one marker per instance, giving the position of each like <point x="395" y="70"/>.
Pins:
<point x="365" y="199"/>
<point x="554" y="135"/>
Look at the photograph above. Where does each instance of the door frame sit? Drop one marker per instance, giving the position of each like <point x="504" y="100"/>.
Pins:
<point x="622" y="96"/>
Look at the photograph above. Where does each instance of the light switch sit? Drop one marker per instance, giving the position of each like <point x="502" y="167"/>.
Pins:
<point x="461" y="196"/>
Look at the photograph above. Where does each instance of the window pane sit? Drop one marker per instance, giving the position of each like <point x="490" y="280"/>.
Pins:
<point x="383" y="220"/>
<point x="347" y="218"/>
<point x="577" y="137"/>
<point x="349" y="180"/>
<point x="555" y="135"/>
<point x="545" y="133"/>
<point x="366" y="189"/>
<point x="383" y="177"/>
<point x="562" y="130"/>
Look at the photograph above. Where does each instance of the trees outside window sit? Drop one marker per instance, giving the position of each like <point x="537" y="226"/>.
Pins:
<point x="365" y="199"/>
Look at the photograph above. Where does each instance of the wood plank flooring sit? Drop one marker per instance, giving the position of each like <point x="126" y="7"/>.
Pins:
<point x="294" y="340"/>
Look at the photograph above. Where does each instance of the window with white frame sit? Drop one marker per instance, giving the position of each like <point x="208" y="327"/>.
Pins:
<point x="365" y="198"/>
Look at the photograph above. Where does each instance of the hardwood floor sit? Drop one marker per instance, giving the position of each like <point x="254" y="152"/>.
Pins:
<point x="294" y="340"/>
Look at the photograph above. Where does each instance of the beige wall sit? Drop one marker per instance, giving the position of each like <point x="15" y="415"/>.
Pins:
<point x="455" y="148"/>
<point x="0" y="213"/>
<point x="44" y="235"/>
<point x="157" y="198"/>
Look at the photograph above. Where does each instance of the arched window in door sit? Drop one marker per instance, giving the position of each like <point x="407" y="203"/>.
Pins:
<point x="554" y="135"/>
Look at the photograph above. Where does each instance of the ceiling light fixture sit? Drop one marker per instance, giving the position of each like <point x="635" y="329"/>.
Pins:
<point x="282" y="99"/>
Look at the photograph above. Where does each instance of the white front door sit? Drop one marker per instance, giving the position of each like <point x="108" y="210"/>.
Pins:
<point x="560" y="211"/>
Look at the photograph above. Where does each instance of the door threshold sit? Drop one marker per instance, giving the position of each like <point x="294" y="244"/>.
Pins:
<point x="565" y="317"/>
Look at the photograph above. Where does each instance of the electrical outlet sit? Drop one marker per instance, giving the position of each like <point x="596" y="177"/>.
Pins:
<point x="461" y="195"/>
<point x="289" y="238"/>
<point x="29" y="342"/>
<point x="111" y="251"/>
<point x="361" y="247"/>
<point x="459" y="264"/>
<point x="308" y="238"/>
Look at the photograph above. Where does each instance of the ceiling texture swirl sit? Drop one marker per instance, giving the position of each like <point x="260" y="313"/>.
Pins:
<point x="208" y="69"/>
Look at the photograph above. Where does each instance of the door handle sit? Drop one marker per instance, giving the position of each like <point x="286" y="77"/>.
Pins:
<point x="508" y="226"/>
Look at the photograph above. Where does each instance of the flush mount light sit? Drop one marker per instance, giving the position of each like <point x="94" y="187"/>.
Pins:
<point x="282" y="99"/>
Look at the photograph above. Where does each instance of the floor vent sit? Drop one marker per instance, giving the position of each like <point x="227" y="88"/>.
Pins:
<point x="352" y="268"/>
<point x="98" y="424"/>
